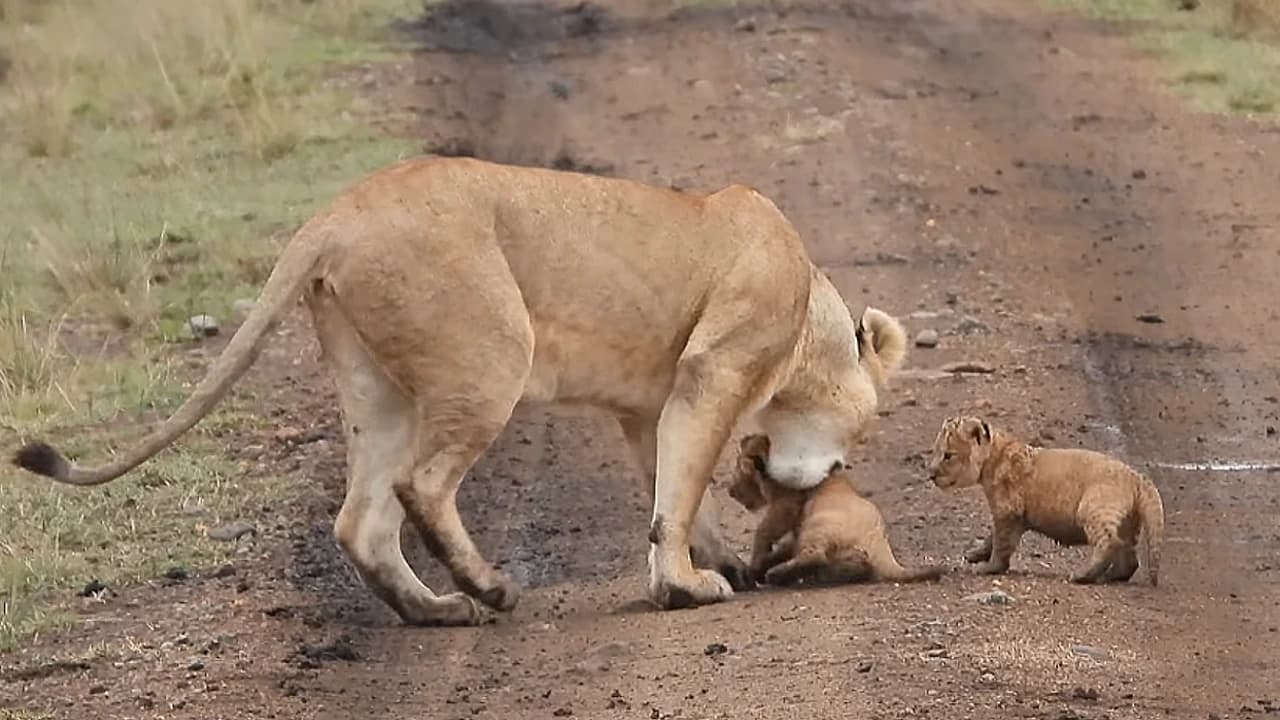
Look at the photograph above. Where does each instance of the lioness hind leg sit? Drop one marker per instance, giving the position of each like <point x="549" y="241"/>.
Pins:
<point x="452" y="332"/>
<point x="707" y="548"/>
<point x="459" y="418"/>
<point x="378" y="422"/>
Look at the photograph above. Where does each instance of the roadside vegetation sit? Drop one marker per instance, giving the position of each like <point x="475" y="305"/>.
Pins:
<point x="1222" y="54"/>
<point x="154" y="153"/>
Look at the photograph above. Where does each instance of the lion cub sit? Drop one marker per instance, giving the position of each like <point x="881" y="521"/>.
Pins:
<point x="1072" y="496"/>
<point x="839" y="536"/>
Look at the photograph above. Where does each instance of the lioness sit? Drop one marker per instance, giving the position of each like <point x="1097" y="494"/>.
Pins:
<point x="446" y="290"/>
<point x="839" y="536"/>
<point x="1072" y="496"/>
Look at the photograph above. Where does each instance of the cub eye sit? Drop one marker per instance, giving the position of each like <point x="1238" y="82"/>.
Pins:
<point x="946" y="456"/>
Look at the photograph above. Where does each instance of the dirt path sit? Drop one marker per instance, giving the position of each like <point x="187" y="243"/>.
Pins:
<point x="983" y="168"/>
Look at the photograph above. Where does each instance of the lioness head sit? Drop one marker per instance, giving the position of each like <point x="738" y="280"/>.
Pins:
<point x="748" y="478"/>
<point x="959" y="452"/>
<point x="815" y="421"/>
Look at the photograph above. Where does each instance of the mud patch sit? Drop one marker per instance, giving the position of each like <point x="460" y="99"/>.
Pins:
<point x="484" y="27"/>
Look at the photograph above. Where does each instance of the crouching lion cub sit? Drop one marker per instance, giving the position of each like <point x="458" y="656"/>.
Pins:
<point x="1072" y="496"/>
<point x="839" y="536"/>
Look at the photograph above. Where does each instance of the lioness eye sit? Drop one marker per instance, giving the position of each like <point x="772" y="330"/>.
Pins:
<point x="946" y="456"/>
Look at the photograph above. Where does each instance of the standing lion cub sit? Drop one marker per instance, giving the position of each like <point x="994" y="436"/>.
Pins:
<point x="839" y="536"/>
<point x="1072" y="496"/>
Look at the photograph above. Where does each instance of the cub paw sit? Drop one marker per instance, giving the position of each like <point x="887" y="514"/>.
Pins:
<point x="740" y="577"/>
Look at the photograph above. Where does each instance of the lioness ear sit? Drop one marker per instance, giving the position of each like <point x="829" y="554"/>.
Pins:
<point x="860" y="333"/>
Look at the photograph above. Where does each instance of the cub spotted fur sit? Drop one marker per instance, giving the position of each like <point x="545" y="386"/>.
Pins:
<point x="839" y="536"/>
<point x="1072" y="496"/>
<point x="445" y="291"/>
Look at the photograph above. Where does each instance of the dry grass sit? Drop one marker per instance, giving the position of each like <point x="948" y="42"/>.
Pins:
<point x="1223" y="54"/>
<point x="153" y="148"/>
<point x="1256" y="18"/>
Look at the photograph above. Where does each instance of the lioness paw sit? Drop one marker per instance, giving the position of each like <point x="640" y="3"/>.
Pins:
<point x="452" y="610"/>
<point x="702" y="587"/>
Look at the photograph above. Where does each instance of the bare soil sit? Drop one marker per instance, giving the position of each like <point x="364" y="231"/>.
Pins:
<point x="1009" y="177"/>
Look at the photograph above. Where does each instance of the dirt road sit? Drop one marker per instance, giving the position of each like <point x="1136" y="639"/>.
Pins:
<point x="1005" y="176"/>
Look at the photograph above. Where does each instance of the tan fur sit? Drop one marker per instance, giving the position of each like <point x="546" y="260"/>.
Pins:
<point x="839" y="536"/>
<point x="446" y="291"/>
<point x="1072" y="496"/>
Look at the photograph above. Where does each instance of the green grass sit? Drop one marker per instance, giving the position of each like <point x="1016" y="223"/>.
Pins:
<point x="1223" y="56"/>
<point x="155" y="152"/>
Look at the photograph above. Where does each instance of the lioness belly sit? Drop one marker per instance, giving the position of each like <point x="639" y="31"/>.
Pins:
<point x="581" y="367"/>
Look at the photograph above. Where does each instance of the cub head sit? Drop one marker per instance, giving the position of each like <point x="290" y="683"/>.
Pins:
<point x="817" y="418"/>
<point x="960" y="450"/>
<point x="749" y="474"/>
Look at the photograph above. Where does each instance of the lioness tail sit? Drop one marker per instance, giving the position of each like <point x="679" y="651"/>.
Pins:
<point x="295" y="266"/>
<point x="1151" y="515"/>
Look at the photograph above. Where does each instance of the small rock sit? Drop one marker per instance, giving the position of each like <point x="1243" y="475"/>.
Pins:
<point x="225" y="571"/>
<point x="715" y="649"/>
<point x="987" y="678"/>
<point x="98" y="690"/>
<point x="747" y="24"/>
<point x="891" y="90"/>
<point x="994" y="597"/>
<point x="1084" y="693"/>
<point x="969" y="325"/>
<point x="968" y="366"/>
<point x="231" y="531"/>
<point x="1089" y="651"/>
<point x="865" y="666"/>
<point x="242" y="307"/>
<point x="203" y="326"/>
<point x="559" y="89"/>
<point x="95" y="588"/>
<point x="1139" y="174"/>
<point x="927" y="338"/>
<point x="941" y="653"/>
<point x="776" y="72"/>
<point x="947" y="242"/>
<point x="177" y="572"/>
<point x="1150" y="318"/>
<point x="562" y="712"/>
<point x="1047" y="435"/>
<point x="195" y="666"/>
<point x="881" y="258"/>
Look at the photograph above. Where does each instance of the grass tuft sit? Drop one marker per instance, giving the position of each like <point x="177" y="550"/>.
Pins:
<point x="159" y="149"/>
<point x="1222" y="54"/>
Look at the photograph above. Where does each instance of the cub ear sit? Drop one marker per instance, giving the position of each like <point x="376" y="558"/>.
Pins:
<point x="983" y="432"/>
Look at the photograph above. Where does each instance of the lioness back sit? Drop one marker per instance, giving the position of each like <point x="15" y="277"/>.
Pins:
<point x="608" y="319"/>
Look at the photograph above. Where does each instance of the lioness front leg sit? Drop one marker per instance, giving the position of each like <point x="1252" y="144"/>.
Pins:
<point x="1006" y="533"/>
<point x="709" y="394"/>
<point x="708" y="548"/>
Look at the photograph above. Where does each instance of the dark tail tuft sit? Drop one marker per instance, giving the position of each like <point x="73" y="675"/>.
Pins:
<point x="41" y="459"/>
